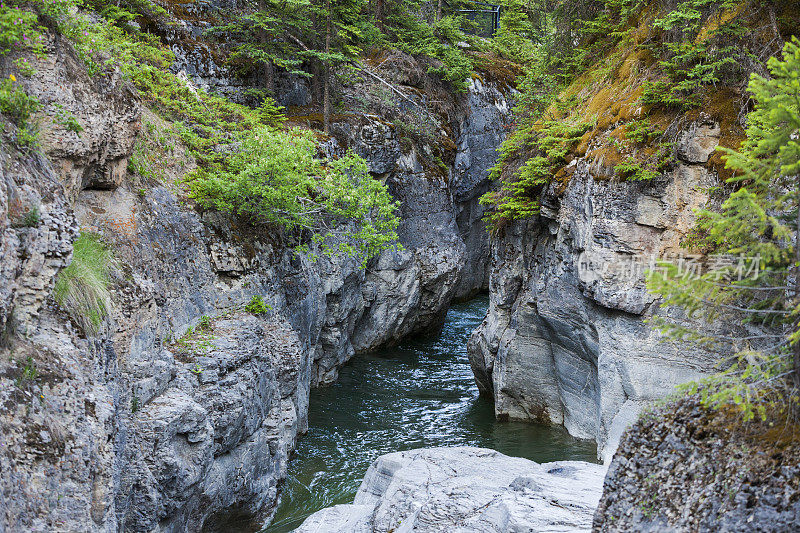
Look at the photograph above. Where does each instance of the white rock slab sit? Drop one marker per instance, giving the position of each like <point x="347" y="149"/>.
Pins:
<point x="466" y="490"/>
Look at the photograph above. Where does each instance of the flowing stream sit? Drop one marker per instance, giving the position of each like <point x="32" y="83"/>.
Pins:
<point x="418" y="394"/>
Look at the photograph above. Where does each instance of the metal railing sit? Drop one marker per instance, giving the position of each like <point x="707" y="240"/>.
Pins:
<point x="485" y="16"/>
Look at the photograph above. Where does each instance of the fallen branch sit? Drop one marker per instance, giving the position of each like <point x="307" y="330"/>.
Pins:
<point x="400" y="93"/>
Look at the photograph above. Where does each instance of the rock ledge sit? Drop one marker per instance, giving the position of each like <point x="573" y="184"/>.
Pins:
<point x="465" y="490"/>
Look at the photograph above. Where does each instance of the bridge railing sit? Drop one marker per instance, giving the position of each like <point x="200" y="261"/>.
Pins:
<point x="485" y="16"/>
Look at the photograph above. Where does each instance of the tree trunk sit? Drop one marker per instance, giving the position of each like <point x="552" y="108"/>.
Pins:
<point x="268" y="73"/>
<point x="269" y="78"/>
<point x="379" y="13"/>
<point x="326" y="106"/>
<point x="796" y="347"/>
<point x="439" y="10"/>
<point x="316" y="82"/>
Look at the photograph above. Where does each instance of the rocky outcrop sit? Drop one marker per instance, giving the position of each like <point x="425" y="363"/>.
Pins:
<point x="35" y="217"/>
<point x="565" y="339"/>
<point x="466" y="490"/>
<point x="481" y="130"/>
<point x="220" y="420"/>
<point x="38" y="228"/>
<point x="104" y="108"/>
<point x="684" y="467"/>
<point x="181" y="412"/>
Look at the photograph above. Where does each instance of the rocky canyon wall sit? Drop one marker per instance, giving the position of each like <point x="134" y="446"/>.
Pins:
<point x="566" y="338"/>
<point x="166" y="420"/>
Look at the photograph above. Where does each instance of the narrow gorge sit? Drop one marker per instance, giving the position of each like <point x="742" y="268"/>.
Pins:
<point x="356" y="266"/>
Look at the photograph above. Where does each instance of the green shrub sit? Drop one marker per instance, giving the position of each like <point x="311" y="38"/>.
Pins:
<point x="28" y="373"/>
<point x="134" y="402"/>
<point x="639" y="166"/>
<point x="257" y="306"/>
<point x="205" y="324"/>
<point x="641" y="131"/>
<point x="695" y="61"/>
<point x="82" y="288"/>
<point x="17" y="105"/>
<point x="274" y="178"/>
<point x="67" y="119"/>
<point x="439" y="41"/>
<point x="30" y="219"/>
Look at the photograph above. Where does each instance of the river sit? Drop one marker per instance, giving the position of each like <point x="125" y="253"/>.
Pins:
<point x="418" y="394"/>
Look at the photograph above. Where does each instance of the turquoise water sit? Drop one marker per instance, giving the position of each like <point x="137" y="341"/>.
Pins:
<point x="418" y="394"/>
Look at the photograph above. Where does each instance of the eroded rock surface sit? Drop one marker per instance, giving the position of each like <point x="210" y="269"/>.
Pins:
<point x="105" y="108"/>
<point x="466" y="490"/>
<point x="685" y="467"/>
<point x="166" y="420"/>
<point x="565" y="339"/>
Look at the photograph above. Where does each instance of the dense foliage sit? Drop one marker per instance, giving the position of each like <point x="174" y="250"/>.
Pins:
<point x="637" y="64"/>
<point x="311" y="38"/>
<point x="274" y="177"/>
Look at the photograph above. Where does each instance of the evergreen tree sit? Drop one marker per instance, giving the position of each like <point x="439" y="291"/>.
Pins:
<point x="342" y="36"/>
<point x="267" y="34"/>
<point x="760" y="220"/>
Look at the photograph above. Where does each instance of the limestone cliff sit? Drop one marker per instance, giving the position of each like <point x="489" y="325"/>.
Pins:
<point x="166" y="420"/>
<point x="609" y="177"/>
<point x="565" y="340"/>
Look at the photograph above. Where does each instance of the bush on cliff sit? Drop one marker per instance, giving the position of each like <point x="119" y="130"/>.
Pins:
<point x="274" y="178"/>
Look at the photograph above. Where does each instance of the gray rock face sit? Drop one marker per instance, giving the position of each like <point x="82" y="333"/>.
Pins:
<point x="37" y="232"/>
<point x="106" y="107"/>
<point x="220" y="429"/>
<point x="482" y="129"/>
<point x="35" y="219"/>
<point x="151" y="426"/>
<point x="684" y="467"/>
<point x="565" y="340"/>
<point x="466" y="490"/>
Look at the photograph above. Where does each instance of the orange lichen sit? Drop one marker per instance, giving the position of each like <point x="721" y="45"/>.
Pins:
<point x="714" y="22"/>
<point x="607" y="156"/>
<point x="497" y="69"/>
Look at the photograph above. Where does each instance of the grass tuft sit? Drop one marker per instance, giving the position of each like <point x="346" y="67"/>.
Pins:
<point x="82" y="288"/>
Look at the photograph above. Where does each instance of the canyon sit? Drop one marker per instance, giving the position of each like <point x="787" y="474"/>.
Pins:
<point x="182" y="409"/>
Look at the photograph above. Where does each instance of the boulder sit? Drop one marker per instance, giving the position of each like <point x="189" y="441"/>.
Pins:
<point x="466" y="490"/>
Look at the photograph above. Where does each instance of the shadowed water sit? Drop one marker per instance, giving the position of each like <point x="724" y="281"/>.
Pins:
<point x="418" y="394"/>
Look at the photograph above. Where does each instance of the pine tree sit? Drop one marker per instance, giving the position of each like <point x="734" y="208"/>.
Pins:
<point x="759" y="220"/>
<point x="267" y="34"/>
